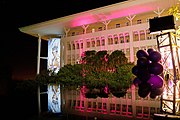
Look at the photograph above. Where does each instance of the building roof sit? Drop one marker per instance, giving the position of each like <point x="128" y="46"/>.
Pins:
<point x="56" y="27"/>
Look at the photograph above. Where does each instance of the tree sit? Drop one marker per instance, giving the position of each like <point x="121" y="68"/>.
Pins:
<point x="98" y="74"/>
<point x="102" y="70"/>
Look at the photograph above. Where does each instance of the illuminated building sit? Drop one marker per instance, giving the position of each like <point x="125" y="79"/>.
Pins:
<point x="121" y="26"/>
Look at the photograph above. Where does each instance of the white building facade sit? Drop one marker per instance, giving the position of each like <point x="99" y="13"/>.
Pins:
<point x="122" y="26"/>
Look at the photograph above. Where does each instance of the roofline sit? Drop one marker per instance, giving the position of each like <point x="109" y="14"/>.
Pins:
<point x="64" y="21"/>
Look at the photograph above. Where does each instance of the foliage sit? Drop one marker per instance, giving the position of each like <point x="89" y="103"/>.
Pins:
<point x="46" y="77"/>
<point x="96" y="71"/>
<point x="117" y="58"/>
<point x="70" y="75"/>
<point x="174" y="10"/>
<point x="122" y="78"/>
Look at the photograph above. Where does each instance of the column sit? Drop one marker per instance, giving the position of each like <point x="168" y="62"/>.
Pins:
<point x="85" y="28"/>
<point x="38" y="70"/>
<point x="106" y="22"/>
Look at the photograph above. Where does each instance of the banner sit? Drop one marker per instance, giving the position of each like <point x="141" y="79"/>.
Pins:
<point x="54" y="98"/>
<point x="54" y="54"/>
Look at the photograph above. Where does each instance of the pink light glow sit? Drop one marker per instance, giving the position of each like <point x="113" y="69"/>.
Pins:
<point x="83" y="90"/>
<point x="106" y="90"/>
<point x="85" y="19"/>
<point x="130" y="11"/>
<point x="89" y="18"/>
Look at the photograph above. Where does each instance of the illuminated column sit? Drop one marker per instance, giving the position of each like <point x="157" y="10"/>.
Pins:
<point x="130" y="18"/>
<point x="38" y="69"/>
<point x="72" y="51"/>
<point x="39" y="51"/>
<point x="106" y="22"/>
<point x="131" y="46"/>
<point x="85" y="28"/>
<point x="62" y="53"/>
<point x="145" y="34"/>
<point x="158" y="12"/>
<point x="133" y="92"/>
<point x="66" y="31"/>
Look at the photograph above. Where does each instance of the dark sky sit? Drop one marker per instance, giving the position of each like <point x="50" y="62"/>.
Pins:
<point x="18" y="50"/>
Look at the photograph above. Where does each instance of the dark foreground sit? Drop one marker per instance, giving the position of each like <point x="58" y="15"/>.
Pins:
<point x="21" y="104"/>
<point x="63" y="117"/>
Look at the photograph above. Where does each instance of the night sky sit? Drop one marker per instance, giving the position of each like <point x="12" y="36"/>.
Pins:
<point x="19" y="50"/>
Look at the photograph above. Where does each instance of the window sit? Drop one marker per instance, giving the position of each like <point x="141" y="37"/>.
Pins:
<point x="73" y="46"/>
<point x="103" y="41"/>
<point x="104" y="106"/>
<point x="93" y="43"/>
<point x="145" y="112"/>
<point x="139" y="111"/>
<point x="99" y="105"/>
<point x="97" y="41"/>
<point x="139" y="21"/>
<point x="116" y="39"/>
<point x="89" y="104"/>
<point x="152" y="110"/>
<point x="118" y="108"/>
<point x="77" y="33"/>
<point x="77" y="45"/>
<point x="82" y="104"/>
<point x="78" y="103"/>
<point x="81" y="45"/>
<point x="121" y="37"/>
<point x="135" y="36"/>
<point x="124" y="109"/>
<point x="88" y="44"/>
<point x="73" y="33"/>
<point x="69" y="105"/>
<point x="118" y="25"/>
<point x="127" y="24"/>
<point x="94" y="106"/>
<point x="129" y="110"/>
<point x="112" y="108"/>
<point x="142" y="35"/>
<point x="110" y="40"/>
<point x="69" y="46"/>
<point x="127" y="37"/>
<point x="100" y="29"/>
<point x="148" y="35"/>
<point x="74" y="103"/>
